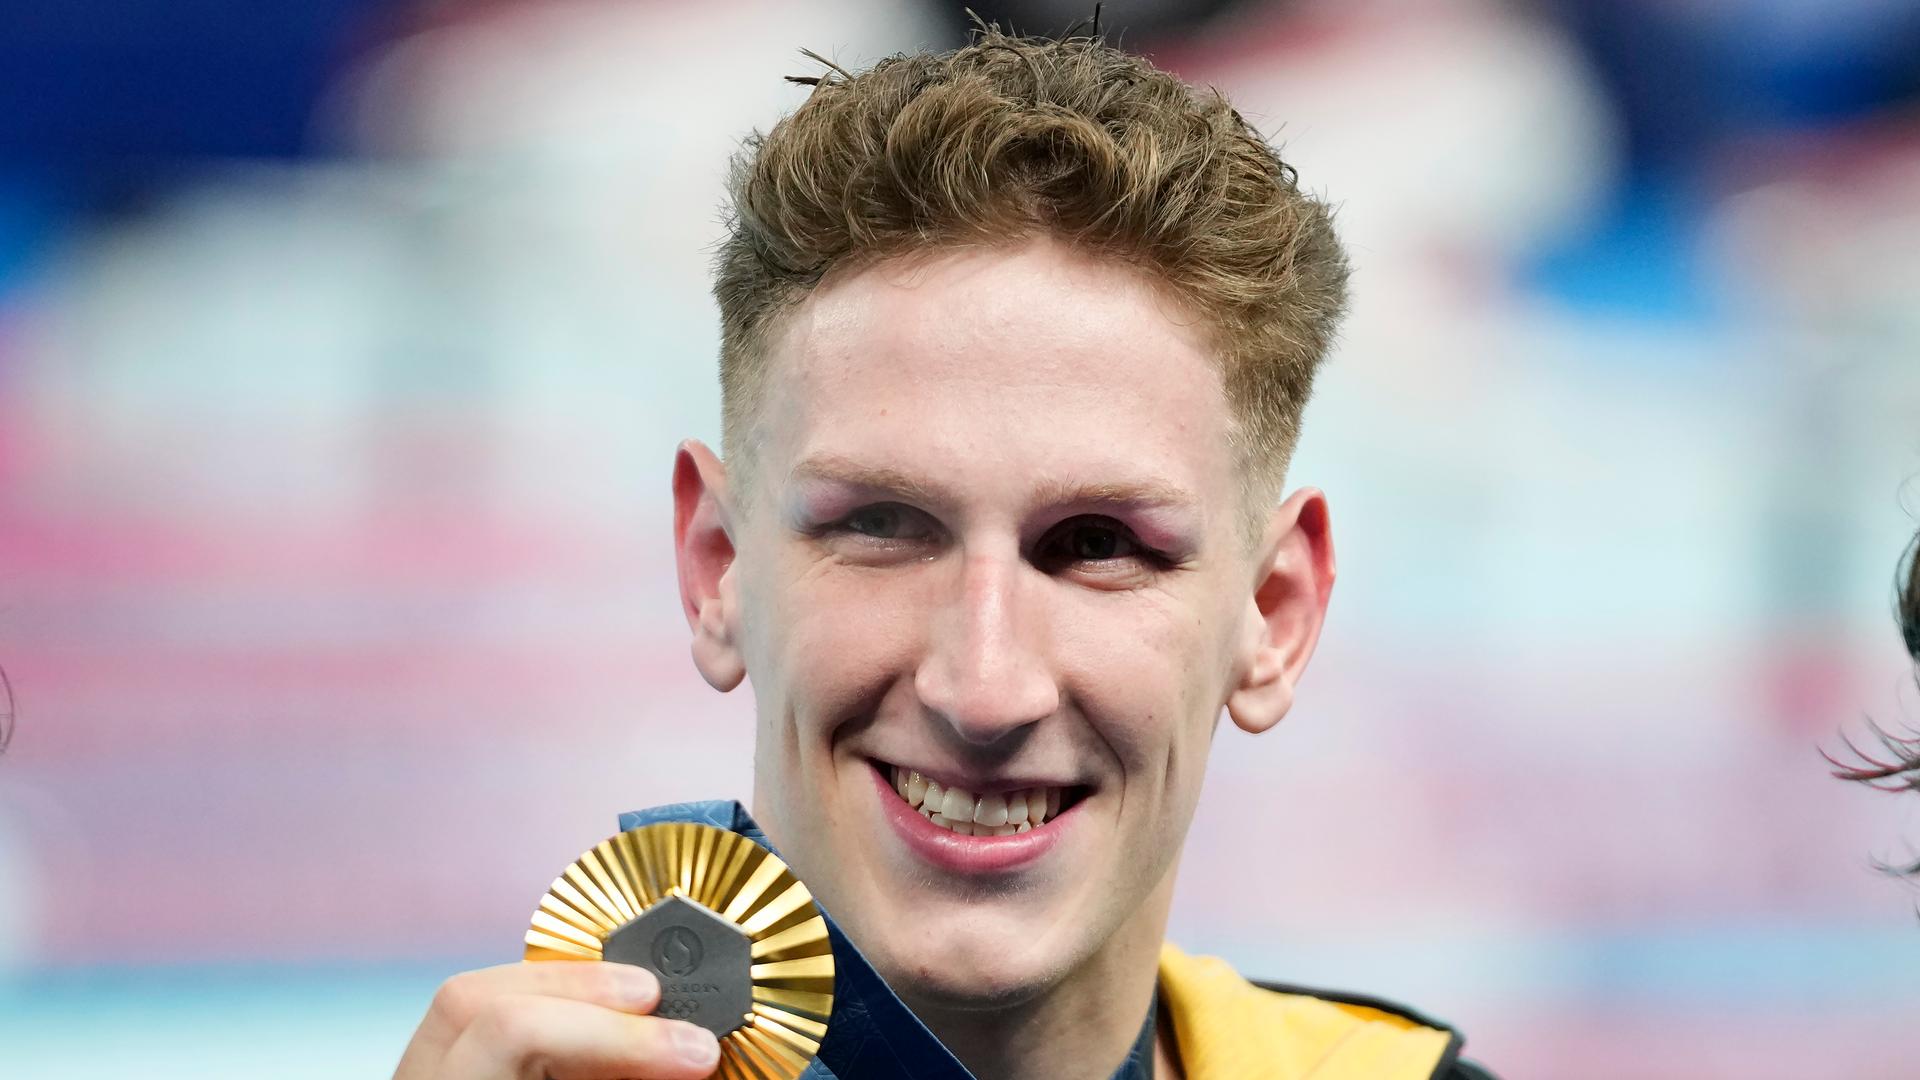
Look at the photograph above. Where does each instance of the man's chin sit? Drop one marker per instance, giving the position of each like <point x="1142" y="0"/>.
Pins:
<point x="967" y="976"/>
<point x="949" y="990"/>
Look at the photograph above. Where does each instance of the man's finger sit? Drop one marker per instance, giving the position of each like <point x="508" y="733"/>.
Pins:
<point x="462" y="998"/>
<point x="615" y="986"/>
<point x="519" y="1036"/>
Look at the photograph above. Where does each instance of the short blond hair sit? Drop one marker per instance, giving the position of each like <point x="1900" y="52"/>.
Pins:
<point x="1010" y="137"/>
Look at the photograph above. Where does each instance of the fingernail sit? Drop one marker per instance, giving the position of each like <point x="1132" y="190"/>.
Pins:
<point x="640" y="986"/>
<point x="695" y="1045"/>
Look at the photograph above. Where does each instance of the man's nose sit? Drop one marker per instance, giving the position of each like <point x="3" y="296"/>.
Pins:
<point x="985" y="673"/>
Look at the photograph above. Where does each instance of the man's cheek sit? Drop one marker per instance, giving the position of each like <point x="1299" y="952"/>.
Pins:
<point x="852" y="634"/>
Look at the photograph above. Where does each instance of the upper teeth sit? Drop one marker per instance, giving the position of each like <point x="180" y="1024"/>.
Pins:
<point x="997" y="813"/>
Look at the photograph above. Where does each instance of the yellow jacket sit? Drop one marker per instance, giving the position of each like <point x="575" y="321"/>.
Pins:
<point x="1227" y="1028"/>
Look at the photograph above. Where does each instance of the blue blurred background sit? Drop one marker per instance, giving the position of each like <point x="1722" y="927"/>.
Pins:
<point x="343" y="349"/>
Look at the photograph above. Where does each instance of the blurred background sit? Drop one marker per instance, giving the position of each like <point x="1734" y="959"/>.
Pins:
<point x="344" y="346"/>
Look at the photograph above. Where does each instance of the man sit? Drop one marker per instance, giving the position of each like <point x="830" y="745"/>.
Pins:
<point x="1015" y="345"/>
<point x="1899" y="768"/>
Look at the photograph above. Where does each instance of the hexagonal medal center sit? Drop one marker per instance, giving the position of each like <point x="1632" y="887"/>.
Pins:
<point x="702" y="961"/>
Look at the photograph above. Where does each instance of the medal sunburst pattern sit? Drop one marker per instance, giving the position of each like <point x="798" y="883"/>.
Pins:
<point x="739" y="881"/>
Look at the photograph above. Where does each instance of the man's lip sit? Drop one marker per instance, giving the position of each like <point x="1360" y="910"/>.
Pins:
<point x="968" y="855"/>
<point x="978" y="785"/>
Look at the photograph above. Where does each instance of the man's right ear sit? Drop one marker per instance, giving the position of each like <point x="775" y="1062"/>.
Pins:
<point x="703" y="549"/>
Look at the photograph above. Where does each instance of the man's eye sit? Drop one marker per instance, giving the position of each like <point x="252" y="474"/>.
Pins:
<point x="1092" y="541"/>
<point x="883" y="522"/>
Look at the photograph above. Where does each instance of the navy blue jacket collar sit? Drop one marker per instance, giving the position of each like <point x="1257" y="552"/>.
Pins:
<point x="872" y="1034"/>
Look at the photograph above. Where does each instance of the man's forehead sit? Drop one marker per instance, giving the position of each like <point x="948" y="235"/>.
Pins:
<point x="1034" y="377"/>
<point x="958" y="309"/>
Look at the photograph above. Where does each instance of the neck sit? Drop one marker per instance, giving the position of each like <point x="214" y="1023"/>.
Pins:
<point x="1082" y="1027"/>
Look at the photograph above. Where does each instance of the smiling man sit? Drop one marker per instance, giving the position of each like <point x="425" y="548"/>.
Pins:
<point x="1016" y="342"/>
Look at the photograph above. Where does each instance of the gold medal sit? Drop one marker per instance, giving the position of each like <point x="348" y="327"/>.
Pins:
<point x="735" y="939"/>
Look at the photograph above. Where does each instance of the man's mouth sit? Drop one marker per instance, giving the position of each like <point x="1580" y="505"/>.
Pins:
<point x="992" y="813"/>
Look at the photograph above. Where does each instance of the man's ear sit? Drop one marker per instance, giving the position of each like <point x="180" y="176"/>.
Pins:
<point x="703" y="548"/>
<point x="1292" y="581"/>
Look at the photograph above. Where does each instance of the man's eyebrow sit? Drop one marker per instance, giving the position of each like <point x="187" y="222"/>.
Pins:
<point x="835" y="469"/>
<point x="1147" y="494"/>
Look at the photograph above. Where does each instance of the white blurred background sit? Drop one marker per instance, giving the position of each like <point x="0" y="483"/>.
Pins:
<point x="344" y="346"/>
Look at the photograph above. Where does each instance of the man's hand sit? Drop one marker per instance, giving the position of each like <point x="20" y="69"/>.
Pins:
<point x="564" y="1020"/>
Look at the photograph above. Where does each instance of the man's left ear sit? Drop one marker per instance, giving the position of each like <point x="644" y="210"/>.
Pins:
<point x="1292" y="581"/>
